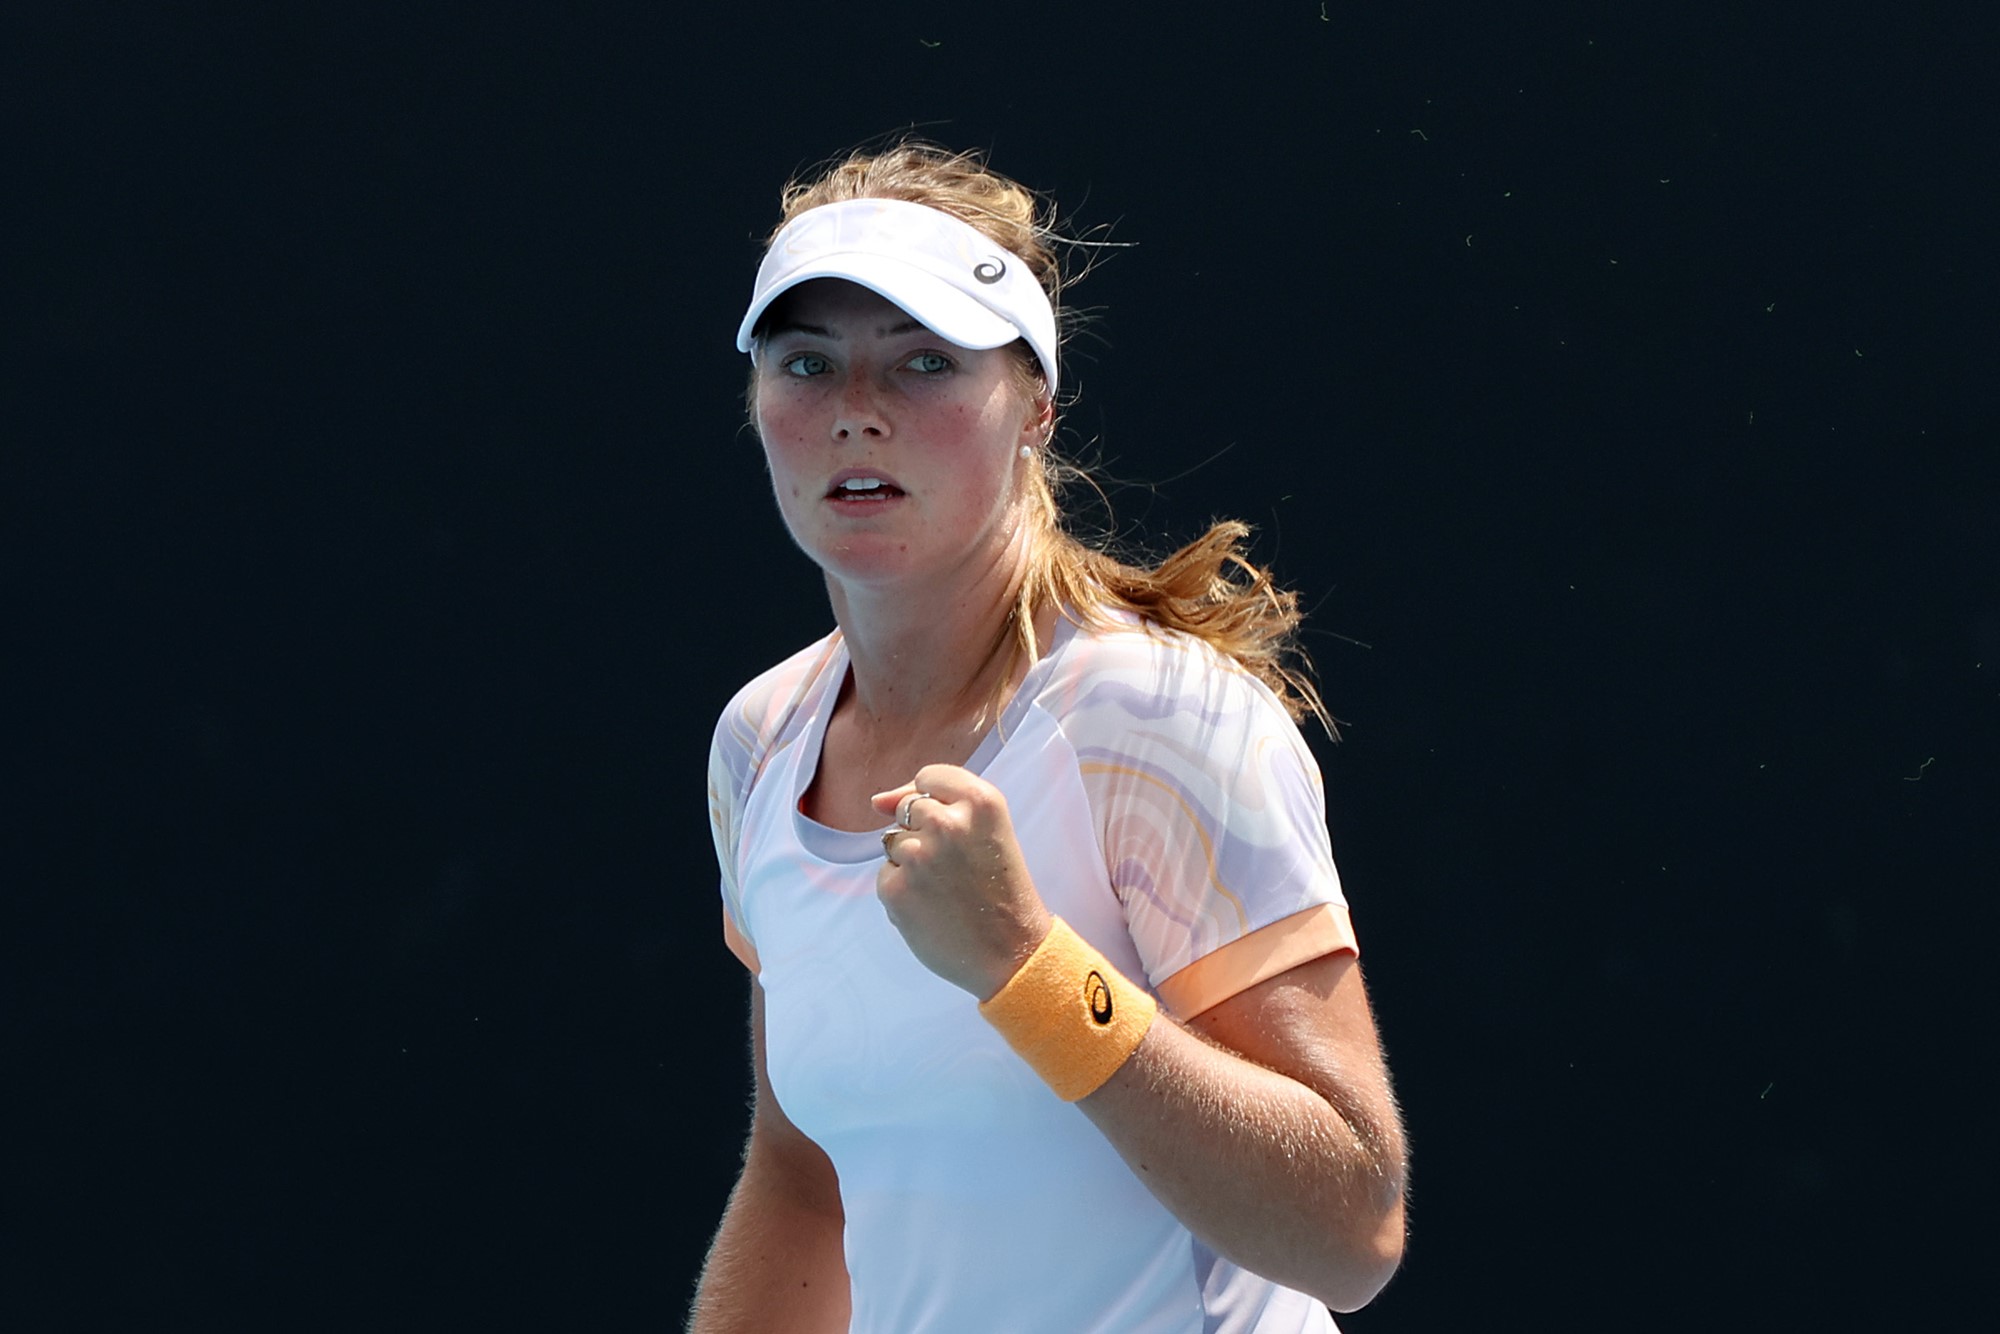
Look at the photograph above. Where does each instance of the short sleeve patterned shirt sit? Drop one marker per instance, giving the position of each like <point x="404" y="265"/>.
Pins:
<point x="1170" y="811"/>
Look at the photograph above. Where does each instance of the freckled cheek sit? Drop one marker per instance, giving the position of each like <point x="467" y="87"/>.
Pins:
<point x="783" y="452"/>
<point x="958" y="428"/>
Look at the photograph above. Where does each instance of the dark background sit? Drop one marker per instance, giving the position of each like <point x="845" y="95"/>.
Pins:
<point x="382" y="538"/>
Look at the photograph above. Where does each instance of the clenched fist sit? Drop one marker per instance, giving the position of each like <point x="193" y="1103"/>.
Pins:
<point x="953" y="879"/>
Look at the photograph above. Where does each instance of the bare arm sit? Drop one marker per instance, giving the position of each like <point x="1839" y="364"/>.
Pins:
<point x="1268" y="1128"/>
<point x="1266" y="1124"/>
<point x="776" y="1262"/>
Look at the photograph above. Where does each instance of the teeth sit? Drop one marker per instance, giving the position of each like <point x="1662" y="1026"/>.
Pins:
<point x="861" y="484"/>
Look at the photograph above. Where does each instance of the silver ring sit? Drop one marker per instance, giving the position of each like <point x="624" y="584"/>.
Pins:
<point x="888" y="842"/>
<point x="903" y="807"/>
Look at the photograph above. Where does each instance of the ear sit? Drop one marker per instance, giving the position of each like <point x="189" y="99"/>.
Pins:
<point x="1040" y="423"/>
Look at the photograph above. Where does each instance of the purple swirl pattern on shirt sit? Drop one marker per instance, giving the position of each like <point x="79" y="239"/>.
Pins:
<point x="1208" y="806"/>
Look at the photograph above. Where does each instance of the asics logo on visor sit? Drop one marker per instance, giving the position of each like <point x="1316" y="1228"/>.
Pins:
<point x="992" y="271"/>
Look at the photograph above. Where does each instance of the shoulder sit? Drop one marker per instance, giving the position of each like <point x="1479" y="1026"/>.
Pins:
<point x="759" y="721"/>
<point x="1209" y="806"/>
<point x="1132" y="677"/>
<point x="1163" y="719"/>
<point x="760" y="716"/>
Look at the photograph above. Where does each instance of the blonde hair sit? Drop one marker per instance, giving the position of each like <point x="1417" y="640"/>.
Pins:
<point x="1209" y="588"/>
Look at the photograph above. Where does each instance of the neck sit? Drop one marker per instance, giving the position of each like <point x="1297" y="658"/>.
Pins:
<point x="934" y="651"/>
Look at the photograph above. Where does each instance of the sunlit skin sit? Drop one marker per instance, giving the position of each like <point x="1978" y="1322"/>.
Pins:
<point x="920" y="571"/>
<point x="847" y="382"/>
<point x="1265" y="1123"/>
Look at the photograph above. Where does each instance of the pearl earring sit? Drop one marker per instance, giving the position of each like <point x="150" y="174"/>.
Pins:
<point x="1027" y="451"/>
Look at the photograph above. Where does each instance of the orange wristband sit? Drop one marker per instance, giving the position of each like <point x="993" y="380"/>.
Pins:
<point x="1070" y="1015"/>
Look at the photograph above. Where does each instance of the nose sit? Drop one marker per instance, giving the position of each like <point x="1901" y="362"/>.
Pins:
<point x="859" y="416"/>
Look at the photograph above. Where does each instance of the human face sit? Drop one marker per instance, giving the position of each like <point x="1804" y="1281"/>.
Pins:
<point x="893" y="453"/>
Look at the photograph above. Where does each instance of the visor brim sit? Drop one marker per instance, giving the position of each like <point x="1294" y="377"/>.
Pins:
<point x="940" y="307"/>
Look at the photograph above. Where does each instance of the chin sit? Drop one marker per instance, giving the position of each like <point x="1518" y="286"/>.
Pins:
<point x="859" y="572"/>
<point x="864" y="561"/>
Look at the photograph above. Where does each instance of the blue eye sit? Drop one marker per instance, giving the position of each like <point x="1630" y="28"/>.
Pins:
<point x="806" y="363"/>
<point x="930" y="363"/>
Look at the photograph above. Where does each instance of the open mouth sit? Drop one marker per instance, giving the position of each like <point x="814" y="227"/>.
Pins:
<point x="864" y="490"/>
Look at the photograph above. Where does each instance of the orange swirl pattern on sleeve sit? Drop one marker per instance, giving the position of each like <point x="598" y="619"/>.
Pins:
<point x="1193" y="822"/>
<point x="739" y="944"/>
<point x="1210" y="811"/>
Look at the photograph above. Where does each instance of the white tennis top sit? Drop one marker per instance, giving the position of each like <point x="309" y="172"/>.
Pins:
<point x="1171" y="813"/>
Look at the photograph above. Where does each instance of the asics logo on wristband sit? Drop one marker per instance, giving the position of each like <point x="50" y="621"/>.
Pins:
<point x="1097" y="994"/>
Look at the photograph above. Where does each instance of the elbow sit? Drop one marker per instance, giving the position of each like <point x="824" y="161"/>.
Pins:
<point x="1366" y="1262"/>
<point x="1362" y="1279"/>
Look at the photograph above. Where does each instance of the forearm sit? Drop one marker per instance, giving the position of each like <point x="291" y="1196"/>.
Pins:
<point x="775" y="1264"/>
<point x="1265" y="1169"/>
<point x="1272" y="1135"/>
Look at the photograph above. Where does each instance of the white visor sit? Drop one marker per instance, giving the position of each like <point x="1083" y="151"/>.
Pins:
<point x="944" y="272"/>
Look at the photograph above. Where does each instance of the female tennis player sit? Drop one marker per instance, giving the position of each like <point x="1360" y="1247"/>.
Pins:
<point x="1055" y="1013"/>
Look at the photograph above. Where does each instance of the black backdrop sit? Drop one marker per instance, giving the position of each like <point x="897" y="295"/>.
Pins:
<point x="382" y="538"/>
